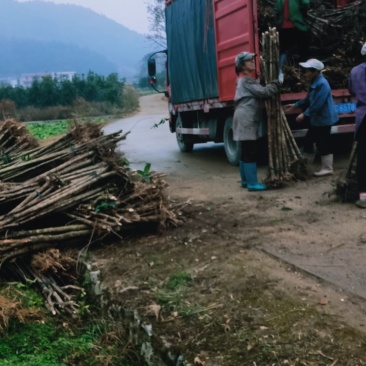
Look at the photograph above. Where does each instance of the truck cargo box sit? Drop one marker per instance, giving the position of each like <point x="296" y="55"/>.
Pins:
<point x="191" y="50"/>
<point x="236" y="28"/>
<point x="203" y="38"/>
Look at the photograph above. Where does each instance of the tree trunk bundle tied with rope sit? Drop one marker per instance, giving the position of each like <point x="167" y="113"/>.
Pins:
<point x="285" y="163"/>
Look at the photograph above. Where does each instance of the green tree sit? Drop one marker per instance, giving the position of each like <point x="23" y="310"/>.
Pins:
<point x="48" y="92"/>
<point x="18" y="95"/>
<point x="93" y="88"/>
<point x="79" y="84"/>
<point x="67" y="93"/>
<point x="34" y="94"/>
<point x="114" y="90"/>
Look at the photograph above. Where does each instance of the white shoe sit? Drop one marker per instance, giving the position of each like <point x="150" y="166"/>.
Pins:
<point x="327" y="166"/>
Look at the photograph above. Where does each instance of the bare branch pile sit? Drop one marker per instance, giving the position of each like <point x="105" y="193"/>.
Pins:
<point x="336" y="37"/>
<point x="14" y="138"/>
<point x="74" y="190"/>
<point x="286" y="163"/>
<point x="328" y="24"/>
<point x="54" y="272"/>
<point x="69" y="194"/>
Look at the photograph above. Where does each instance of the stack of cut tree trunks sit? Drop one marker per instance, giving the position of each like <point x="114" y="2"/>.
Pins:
<point x="72" y="192"/>
<point x="285" y="162"/>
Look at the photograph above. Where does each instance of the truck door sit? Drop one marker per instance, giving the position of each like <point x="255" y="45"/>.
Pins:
<point x="236" y="30"/>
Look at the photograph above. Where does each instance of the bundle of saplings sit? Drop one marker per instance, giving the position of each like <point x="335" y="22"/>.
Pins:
<point x="285" y="161"/>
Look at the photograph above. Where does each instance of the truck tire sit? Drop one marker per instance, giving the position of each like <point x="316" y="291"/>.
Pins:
<point x="232" y="148"/>
<point x="184" y="146"/>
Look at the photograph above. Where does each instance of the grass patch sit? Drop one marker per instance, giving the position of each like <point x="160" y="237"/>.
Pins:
<point x="44" y="130"/>
<point x="30" y="336"/>
<point x="44" y="344"/>
<point x="178" y="281"/>
<point x="174" y="293"/>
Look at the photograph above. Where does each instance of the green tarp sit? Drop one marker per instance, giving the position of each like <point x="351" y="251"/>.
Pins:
<point x="191" y="50"/>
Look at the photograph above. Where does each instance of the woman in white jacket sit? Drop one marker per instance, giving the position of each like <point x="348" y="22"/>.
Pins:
<point x="248" y="117"/>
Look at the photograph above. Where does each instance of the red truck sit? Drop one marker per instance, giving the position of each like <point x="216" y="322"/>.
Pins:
<point x="203" y="38"/>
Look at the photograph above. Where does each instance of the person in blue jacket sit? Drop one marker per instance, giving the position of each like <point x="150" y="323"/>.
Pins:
<point x="319" y="108"/>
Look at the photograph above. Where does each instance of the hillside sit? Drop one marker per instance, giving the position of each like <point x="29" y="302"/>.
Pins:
<point x="27" y="56"/>
<point x="49" y="30"/>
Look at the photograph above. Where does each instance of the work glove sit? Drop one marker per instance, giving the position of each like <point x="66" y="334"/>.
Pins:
<point x="281" y="76"/>
<point x="278" y="83"/>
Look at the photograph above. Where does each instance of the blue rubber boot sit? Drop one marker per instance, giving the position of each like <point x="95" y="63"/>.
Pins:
<point x="242" y="174"/>
<point x="252" y="180"/>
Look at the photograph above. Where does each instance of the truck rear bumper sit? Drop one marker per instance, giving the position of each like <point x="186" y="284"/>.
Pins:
<point x="193" y="131"/>
<point x="296" y="133"/>
<point x="334" y="130"/>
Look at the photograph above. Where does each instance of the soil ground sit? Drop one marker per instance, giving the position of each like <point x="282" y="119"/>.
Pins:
<point x="272" y="278"/>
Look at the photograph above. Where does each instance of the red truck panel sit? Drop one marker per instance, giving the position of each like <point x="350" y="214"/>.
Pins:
<point x="236" y="31"/>
<point x="342" y="3"/>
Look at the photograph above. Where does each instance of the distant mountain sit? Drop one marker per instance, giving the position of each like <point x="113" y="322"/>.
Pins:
<point x="40" y="36"/>
<point x="26" y="56"/>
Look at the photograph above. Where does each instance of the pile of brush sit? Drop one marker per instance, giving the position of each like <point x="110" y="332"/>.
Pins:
<point x="336" y="37"/>
<point x="73" y="192"/>
<point x="14" y="139"/>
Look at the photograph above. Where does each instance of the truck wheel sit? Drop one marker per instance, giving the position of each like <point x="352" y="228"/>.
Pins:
<point x="184" y="146"/>
<point x="232" y="148"/>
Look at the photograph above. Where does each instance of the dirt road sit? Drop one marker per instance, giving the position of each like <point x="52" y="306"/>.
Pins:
<point x="298" y="242"/>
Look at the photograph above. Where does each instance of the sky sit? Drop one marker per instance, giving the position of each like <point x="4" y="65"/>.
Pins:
<point x="130" y="13"/>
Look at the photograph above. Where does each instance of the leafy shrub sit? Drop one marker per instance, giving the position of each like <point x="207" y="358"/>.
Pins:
<point x="44" y="114"/>
<point x="45" y="130"/>
<point x="130" y="98"/>
<point x="7" y="108"/>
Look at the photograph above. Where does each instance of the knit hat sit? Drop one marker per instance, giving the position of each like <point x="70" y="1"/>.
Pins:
<point x="242" y="57"/>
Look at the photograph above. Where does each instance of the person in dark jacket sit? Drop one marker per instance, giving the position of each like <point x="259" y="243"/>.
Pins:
<point x="357" y="87"/>
<point x="292" y="29"/>
<point x="248" y="117"/>
<point x="319" y="107"/>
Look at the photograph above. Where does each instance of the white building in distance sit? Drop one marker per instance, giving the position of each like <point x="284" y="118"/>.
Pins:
<point x="26" y="80"/>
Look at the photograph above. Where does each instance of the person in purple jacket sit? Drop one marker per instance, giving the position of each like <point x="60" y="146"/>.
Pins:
<point x="357" y="87"/>
<point x="319" y="108"/>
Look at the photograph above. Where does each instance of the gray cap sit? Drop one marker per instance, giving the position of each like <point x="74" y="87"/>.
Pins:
<point x="363" y="49"/>
<point x="243" y="56"/>
<point x="312" y="63"/>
